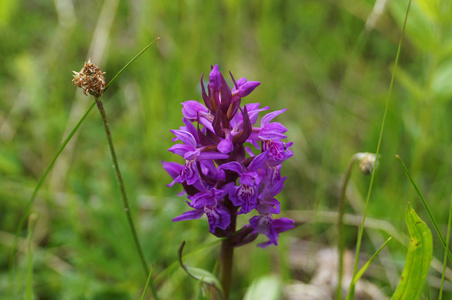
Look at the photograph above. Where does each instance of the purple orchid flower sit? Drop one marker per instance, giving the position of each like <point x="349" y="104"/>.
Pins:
<point x="221" y="175"/>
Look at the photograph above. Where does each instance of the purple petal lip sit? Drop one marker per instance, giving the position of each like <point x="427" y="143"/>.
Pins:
<point x="172" y="168"/>
<point x="218" y="216"/>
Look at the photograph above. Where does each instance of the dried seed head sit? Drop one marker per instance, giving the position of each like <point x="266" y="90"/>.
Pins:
<point x="90" y="79"/>
<point x="366" y="162"/>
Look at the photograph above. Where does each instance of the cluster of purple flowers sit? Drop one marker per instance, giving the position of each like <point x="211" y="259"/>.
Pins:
<point x="222" y="175"/>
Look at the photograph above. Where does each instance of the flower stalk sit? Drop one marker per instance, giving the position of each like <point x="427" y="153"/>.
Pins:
<point x="92" y="81"/>
<point x="226" y="262"/>
<point x="125" y="201"/>
<point x="366" y="165"/>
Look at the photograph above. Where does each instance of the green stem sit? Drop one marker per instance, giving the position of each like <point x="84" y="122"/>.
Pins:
<point x="122" y="189"/>
<point x="226" y="260"/>
<point x="340" y="222"/>
<point x="388" y="97"/>
<point x="227" y="255"/>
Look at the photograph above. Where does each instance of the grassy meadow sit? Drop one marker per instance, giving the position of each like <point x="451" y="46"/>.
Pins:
<point x="330" y="63"/>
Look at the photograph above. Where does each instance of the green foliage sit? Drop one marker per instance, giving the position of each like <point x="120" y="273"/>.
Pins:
<point x="418" y="258"/>
<point x="314" y="57"/>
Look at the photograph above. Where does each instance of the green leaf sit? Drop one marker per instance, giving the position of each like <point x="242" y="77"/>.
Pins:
<point x="205" y="276"/>
<point x="367" y="264"/>
<point x="201" y="274"/>
<point x="418" y="259"/>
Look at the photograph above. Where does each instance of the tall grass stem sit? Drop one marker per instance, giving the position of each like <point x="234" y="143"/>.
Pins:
<point x="366" y="207"/>
<point x="125" y="201"/>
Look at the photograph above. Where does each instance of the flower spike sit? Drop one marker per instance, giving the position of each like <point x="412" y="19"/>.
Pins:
<point x="221" y="175"/>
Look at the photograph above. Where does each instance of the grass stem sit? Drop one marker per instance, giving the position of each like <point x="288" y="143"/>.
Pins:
<point x="125" y="201"/>
<point x="148" y="282"/>
<point x="351" y="292"/>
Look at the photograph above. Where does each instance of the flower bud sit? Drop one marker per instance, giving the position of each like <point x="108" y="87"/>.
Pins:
<point x="215" y="79"/>
<point x="247" y="88"/>
<point x="367" y="162"/>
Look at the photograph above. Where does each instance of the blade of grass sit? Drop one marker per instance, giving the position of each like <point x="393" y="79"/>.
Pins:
<point x="367" y="264"/>
<point x="52" y="163"/>
<point x="443" y="274"/>
<point x="148" y="281"/>
<point x="427" y="208"/>
<point x="388" y="97"/>
<point x="130" y="61"/>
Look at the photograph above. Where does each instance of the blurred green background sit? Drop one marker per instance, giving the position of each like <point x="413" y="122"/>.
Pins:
<point x="328" y="62"/>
